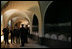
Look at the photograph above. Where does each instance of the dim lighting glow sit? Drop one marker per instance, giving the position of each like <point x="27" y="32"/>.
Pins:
<point x="28" y="25"/>
<point x="9" y="41"/>
<point x="2" y="38"/>
<point x="9" y="23"/>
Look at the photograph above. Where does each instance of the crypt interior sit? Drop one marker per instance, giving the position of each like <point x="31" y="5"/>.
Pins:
<point x="49" y="22"/>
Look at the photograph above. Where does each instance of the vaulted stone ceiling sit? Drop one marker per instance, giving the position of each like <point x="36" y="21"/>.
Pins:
<point x="42" y="4"/>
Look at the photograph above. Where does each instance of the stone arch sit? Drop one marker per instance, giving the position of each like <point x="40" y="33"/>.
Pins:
<point x="36" y="11"/>
<point x="14" y="13"/>
<point x="58" y="17"/>
<point x="47" y="25"/>
<point x="19" y="19"/>
<point x="47" y="7"/>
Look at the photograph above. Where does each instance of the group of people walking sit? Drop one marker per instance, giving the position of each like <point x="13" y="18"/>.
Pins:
<point x="17" y="34"/>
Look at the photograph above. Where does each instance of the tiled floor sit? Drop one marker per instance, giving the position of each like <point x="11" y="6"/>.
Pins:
<point x="30" y="44"/>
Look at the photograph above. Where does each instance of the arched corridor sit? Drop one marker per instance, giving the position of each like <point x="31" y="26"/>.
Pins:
<point x="48" y="22"/>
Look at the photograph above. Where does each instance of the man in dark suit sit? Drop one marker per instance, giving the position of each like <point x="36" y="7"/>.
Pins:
<point x="23" y="35"/>
<point x="16" y="33"/>
<point x="6" y="34"/>
<point x="12" y="36"/>
<point x="27" y="33"/>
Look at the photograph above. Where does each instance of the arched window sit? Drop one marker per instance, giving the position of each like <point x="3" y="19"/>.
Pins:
<point x="57" y="13"/>
<point x="35" y="24"/>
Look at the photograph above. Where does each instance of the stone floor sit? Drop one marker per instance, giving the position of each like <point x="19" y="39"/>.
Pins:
<point x="31" y="44"/>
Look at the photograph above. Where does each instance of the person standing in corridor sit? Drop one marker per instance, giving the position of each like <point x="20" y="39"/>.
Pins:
<point x="16" y="33"/>
<point x="12" y="36"/>
<point x="6" y="34"/>
<point x="22" y="35"/>
<point x="27" y="33"/>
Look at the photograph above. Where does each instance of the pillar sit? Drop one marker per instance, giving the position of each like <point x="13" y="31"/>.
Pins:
<point x="30" y="27"/>
<point x="41" y="29"/>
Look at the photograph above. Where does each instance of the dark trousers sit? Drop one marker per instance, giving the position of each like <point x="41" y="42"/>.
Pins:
<point x="12" y="39"/>
<point x="6" y="39"/>
<point x="26" y="41"/>
<point x="17" y="39"/>
<point x="22" y="41"/>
